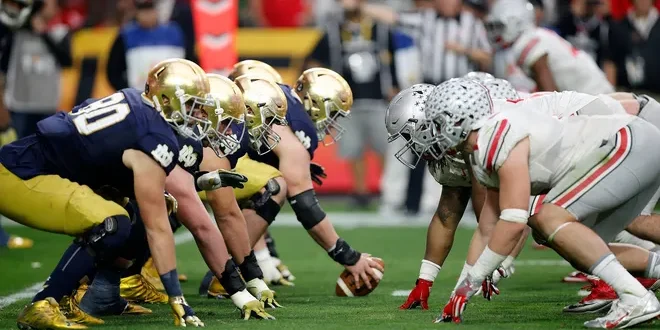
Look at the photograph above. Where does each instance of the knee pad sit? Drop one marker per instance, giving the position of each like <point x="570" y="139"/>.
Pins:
<point x="307" y="209"/>
<point x="269" y="210"/>
<point x="231" y="279"/>
<point x="108" y="237"/>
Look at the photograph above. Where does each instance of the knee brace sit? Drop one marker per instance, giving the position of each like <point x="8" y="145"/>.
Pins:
<point x="231" y="279"/>
<point x="269" y="210"/>
<point x="270" y="189"/>
<point x="307" y="209"/>
<point x="250" y="268"/>
<point x="105" y="239"/>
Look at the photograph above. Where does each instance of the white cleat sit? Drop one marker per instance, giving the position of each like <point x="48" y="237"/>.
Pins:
<point x="628" y="311"/>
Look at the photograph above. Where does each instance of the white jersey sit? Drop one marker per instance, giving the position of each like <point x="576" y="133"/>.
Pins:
<point x="556" y="145"/>
<point x="572" y="69"/>
<point x="452" y="170"/>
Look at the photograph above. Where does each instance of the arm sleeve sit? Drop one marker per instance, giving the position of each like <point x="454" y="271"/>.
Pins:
<point x="116" y="68"/>
<point x="321" y="52"/>
<point x="530" y="52"/>
<point x="60" y="49"/>
<point x="392" y="50"/>
<point x="496" y="144"/>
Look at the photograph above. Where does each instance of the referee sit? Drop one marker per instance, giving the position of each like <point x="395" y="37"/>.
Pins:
<point x="452" y="42"/>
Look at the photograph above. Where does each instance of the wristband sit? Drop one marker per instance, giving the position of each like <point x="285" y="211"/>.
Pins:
<point x="344" y="253"/>
<point x="171" y="283"/>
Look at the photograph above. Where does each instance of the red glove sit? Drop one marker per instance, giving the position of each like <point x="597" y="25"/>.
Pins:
<point x="453" y="311"/>
<point x="488" y="288"/>
<point x="419" y="296"/>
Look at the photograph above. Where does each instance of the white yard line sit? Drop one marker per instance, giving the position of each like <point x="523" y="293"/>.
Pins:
<point x="30" y="291"/>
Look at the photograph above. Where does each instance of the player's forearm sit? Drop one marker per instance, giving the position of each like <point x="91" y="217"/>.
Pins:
<point x="161" y="245"/>
<point x="505" y="237"/>
<point x="324" y="234"/>
<point x="232" y="224"/>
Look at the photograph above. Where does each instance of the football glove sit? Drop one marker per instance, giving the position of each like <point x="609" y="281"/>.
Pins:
<point x="318" y="173"/>
<point x="258" y="288"/>
<point x="207" y="181"/>
<point x="249" y="306"/>
<point x="183" y="314"/>
<point x="8" y="136"/>
<point x="488" y="288"/>
<point x="419" y="296"/>
<point x="453" y="311"/>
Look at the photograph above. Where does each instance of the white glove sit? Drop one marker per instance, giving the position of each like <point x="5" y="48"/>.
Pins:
<point x="207" y="181"/>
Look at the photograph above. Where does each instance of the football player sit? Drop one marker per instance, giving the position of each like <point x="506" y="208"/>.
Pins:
<point x="127" y="141"/>
<point x="543" y="55"/>
<point x="327" y="97"/>
<point x="224" y="138"/>
<point x="515" y="156"/>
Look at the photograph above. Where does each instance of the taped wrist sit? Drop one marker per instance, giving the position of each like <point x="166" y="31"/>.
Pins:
<point x="307" y="209"/>
<point x="105" y="240"/>
<point x="250" y="268"/>
<point x="268" y="210"/>
<point x="171" y="283"/>
<point x="231" y="279"/>
<point x="343" y="253"/>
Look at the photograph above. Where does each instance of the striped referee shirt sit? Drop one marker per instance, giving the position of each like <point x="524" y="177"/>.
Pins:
<point x="432" y="32"/>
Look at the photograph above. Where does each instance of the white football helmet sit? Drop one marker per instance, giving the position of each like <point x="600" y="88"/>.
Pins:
<point x="478" y="76"/>
<point x="456" y="107"/>
<point x="508" y="20"/>
<point x="405" y="118"/>
<point x="14" y="13"/>
<point x="501" y="89"/>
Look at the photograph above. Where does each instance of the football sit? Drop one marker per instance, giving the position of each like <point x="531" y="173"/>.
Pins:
<point x="346" y="284"/>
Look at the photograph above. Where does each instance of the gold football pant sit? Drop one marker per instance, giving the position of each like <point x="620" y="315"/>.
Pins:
<point x="257" y="174"/>
<point x="54" y="204"/>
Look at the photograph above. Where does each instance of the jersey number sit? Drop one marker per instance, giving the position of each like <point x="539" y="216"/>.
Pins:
<point x="101" y="114"/>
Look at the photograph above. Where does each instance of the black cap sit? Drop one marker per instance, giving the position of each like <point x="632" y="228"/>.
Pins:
<point x="144" y="4"/>
<point x="480" y="5"/>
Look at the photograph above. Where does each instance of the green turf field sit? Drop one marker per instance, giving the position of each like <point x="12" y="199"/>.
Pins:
<point x="532" y="299"/>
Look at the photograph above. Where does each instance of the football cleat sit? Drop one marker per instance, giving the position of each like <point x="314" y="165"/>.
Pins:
<point x="649" y="283"/>
<point x="150" y="273"/>
<point x="599" y="299"/>
<point x="71" y="310"/>
<point x="576" y="277"/>
<point x="216" y="290"/>
<point x="133" y="309"/>
<point x="137" y="289"/>
<point x="284" y="270"/>
<point x="16" y="242"/>
<point x="45" y="314"/>
<point x="628" y="311"/>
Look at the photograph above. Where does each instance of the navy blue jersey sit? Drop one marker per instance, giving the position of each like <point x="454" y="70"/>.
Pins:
<point x="299" y="123"/>
<point x="87" y="145"/>
<point x="245" y="146"/>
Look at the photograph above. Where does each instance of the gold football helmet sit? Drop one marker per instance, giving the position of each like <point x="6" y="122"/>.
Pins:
<point x="255" y="68"/>
<point x="177" y="87"/>
<point x="326" y="97"/>
<point x="266" y="105"/>
<point x="227" y="118"/>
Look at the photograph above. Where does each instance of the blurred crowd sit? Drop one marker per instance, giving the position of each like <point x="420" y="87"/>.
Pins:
<point x="379" y="53"/>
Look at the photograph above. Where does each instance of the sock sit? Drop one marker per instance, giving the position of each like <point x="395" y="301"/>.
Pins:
<point x="74" y="265"/>
<point x="270" y="243"/>
<point x="612" y="272"/>
<point x="267" y="266"/>
<point x="429" y="270"/>
<point x="488" y="261"/>
<point x="628" y="238"/>
<point x="102" y="296"/>
<point x="653" y="266"/>
<point x="508" y="262"/>
<point x="464" y="272"/>
<point x="206" y="283"/>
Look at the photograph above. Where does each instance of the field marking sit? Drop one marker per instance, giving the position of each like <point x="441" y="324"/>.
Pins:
<point x="401" y="293"/>
<point x="30" y="291"/>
